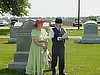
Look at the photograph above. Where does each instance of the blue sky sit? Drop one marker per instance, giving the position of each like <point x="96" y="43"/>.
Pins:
<point x="66" y="8"/>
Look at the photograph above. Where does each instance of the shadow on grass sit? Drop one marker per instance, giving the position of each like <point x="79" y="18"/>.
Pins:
<point x="10" y="43"/>
<point x="6" y="71"/>
<point x="47" y="71"/>
<point x="11" y="72"/>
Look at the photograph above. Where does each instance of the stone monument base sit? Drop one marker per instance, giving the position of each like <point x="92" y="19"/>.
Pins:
<point x="20" y="61"/>
<point x="17" y="65"/>
<point x="11" y="40"/>
<point x="90" y="41"/>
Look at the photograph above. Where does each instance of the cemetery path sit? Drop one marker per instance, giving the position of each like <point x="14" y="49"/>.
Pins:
<point x="6" y="27"/>
<point x="75" y="36"/>
<point x="4" y="36"/>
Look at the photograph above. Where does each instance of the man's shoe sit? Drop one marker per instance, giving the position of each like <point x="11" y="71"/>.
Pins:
<point x="53" y="73"/>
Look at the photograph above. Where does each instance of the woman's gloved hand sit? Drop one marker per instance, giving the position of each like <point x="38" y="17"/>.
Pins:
<point x="44" y="48"/>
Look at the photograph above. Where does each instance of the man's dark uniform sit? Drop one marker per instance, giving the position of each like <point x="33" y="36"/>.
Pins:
<point x="58" y="50"/>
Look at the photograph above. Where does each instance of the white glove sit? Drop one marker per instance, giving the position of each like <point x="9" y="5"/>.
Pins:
<point x="45" y="59"/>
<point x="59" y="38"/>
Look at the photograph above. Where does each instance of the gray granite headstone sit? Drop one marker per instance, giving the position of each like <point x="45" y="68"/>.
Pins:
<point x="12" y="31"/>
<point x="90" y="33"/>
<point x="23" y="37"/>
<point x="12" y="34"/>
<point x="23" y="40"/>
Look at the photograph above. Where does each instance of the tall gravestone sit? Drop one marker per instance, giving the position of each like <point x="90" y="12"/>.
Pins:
<point x="12" y="34"/>
<point x="23" y="38"/>
<point x="90" y="33"/>
<point x="12" y="31"/>
<point x="23" y="41"/>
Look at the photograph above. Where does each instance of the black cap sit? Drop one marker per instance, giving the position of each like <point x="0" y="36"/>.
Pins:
<point x="58" y="20"/>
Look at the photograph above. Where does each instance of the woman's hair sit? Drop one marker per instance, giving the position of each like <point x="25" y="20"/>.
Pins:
<point x="36" y="26"/>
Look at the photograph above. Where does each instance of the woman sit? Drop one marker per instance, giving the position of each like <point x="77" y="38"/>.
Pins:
<point x="38" y="46"/>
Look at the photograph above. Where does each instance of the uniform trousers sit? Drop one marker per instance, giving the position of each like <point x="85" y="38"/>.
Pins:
<point x="58" y="51"/>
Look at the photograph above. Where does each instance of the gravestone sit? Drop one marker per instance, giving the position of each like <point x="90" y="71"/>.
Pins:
<point x="12" y="34"/>
<point x="90" y="33"/>
<point x="23" y="41"/>
<point x="23" y="38"/>
<point x="12" y="31"/>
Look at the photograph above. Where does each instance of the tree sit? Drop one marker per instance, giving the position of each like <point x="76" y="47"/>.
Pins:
<point x="14" y="7"/>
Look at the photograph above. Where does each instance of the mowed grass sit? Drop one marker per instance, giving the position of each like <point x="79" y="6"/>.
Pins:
<point x="73" y="32"/>
<point x="78" y="32"/>
<point x="7" y="51"/>
<point x="80" y="59"/>
<point x="4" y="32"/>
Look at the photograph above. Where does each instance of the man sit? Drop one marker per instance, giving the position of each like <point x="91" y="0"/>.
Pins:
<point x="57" y="46"/>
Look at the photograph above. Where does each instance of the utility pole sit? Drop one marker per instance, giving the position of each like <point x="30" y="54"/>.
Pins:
<point x="78" y="14"/>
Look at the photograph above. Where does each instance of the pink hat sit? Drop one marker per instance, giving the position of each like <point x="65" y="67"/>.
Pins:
<point x="38" y="21"/>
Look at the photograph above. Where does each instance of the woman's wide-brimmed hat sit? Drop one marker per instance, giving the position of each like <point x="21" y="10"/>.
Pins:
<point x="38" y="21"/>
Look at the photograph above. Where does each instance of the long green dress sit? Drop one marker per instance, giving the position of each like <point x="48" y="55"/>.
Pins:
<point x="35" y="59"/>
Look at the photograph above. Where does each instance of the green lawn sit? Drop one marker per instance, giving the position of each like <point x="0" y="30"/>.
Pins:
<point x="73" y="32"/>
<point x="76" y="32"/>
<point x="80" y="59"/>
<point x="7" y="51"/>
<point x="4" y="32"/>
